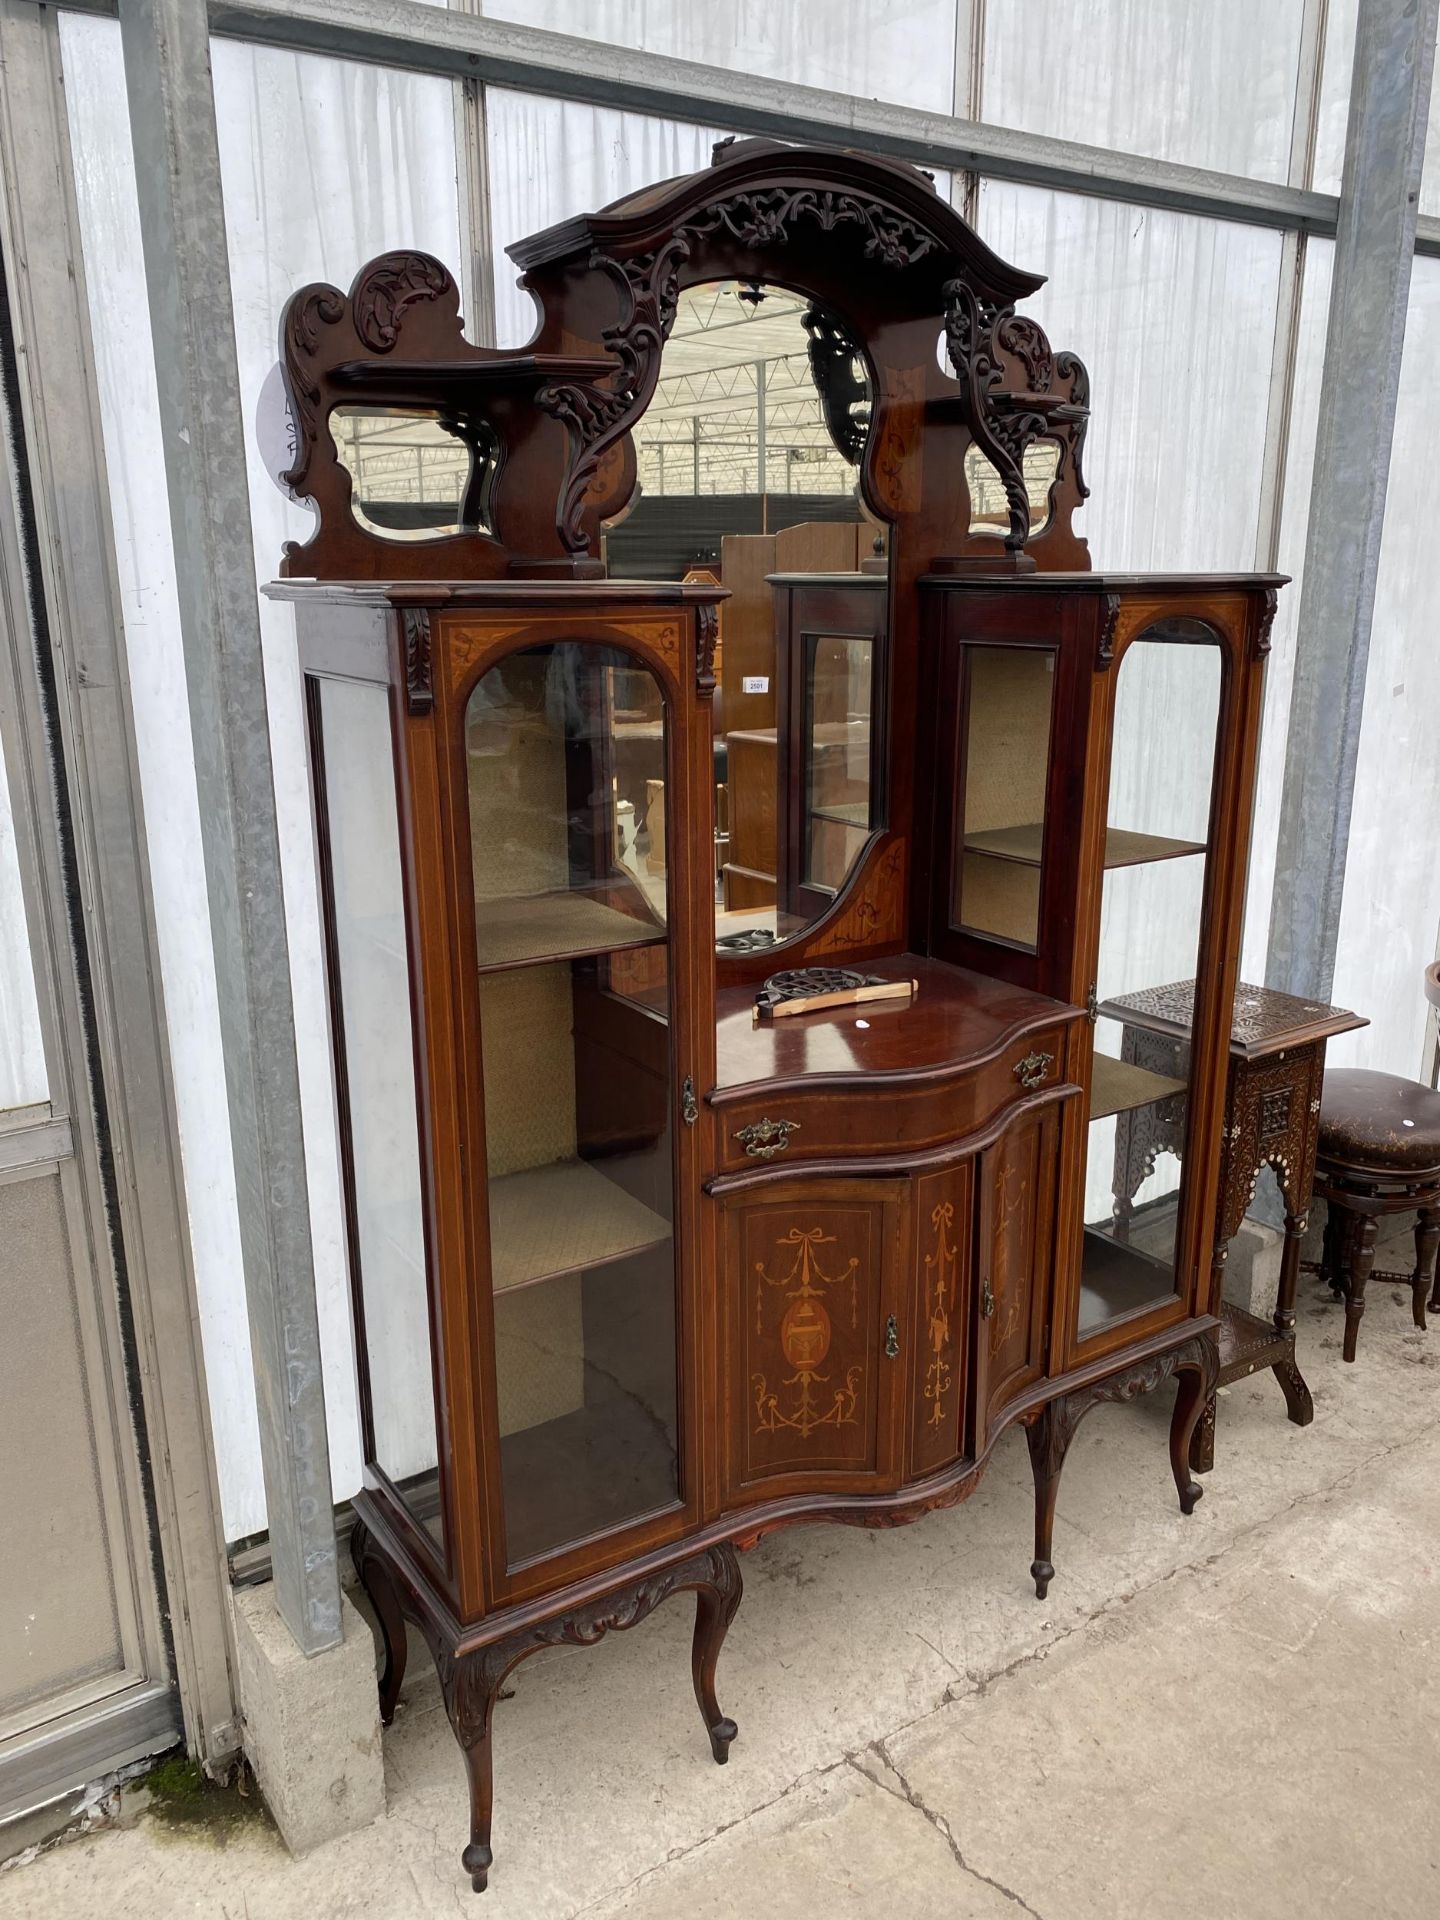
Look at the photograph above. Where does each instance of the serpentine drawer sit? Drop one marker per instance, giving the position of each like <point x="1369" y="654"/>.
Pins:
<point x="864" y="1115"/>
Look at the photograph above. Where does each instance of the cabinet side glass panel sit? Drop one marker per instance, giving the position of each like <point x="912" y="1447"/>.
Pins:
<point x="379" y="1112"/>
<point x="566" y="759"/>
<point x="1006" y="697"/>
<point x="1167" y="704"/>
<point x="838" y="720"/>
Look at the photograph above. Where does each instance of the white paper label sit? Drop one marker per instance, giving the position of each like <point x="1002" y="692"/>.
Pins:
<point x="755" y="683"/>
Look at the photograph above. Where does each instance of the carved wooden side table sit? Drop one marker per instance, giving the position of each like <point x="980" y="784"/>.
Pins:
<point x="1272" y="1118"/>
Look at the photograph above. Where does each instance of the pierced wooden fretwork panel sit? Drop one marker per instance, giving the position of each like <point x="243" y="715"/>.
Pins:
<point x="808" y="1290"/>
<point x="943" y="1232"/>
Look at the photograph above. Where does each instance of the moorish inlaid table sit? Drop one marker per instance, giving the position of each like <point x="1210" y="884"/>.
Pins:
<point x="1272" y="1118"/>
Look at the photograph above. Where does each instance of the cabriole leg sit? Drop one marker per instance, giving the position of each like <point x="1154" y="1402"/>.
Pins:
<point x="715" y="1608"/>
<point x="470" y="1684"/>
<point x="380" y="1592"/>
<point x="1048" y="1437"/>
<point x="1190" y="1402"/>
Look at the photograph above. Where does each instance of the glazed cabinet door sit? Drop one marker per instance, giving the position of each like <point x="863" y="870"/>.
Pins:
<point x="1170" y="865"/>
<point x="812" y="1336"/>
<point x="1019" y="1193"/>
<point x="576" y="920"/>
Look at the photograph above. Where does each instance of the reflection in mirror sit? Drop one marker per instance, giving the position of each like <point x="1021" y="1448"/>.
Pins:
<point x="747" y="464"/>
<point x="1167" y="706"/>
<point x="412" y="475"/>
<point x="988" y="510"/>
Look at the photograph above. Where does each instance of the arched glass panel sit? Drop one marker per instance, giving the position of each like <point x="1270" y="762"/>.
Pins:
<point x="566" y="757"/>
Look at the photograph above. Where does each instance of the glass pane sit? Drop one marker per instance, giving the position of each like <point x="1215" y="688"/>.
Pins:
<point x="377" y="1070"/>
<point x="566" y="754"/>
<point x="1167" y="704"/>
<point x="414" y="476"/>
<point x="1006" y="695"/>
<point x="838" y="802"/>
<point x="989" y="509"/>
<point x="23" y="1080"/>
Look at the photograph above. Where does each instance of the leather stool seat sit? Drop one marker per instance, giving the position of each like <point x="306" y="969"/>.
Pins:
<point x="1379" y="1120"/>
<point x="1379" y="1154"/>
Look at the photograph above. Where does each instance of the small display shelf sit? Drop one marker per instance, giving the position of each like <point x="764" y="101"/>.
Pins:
<point x="1118" y="1086"/>
<point x="529" y="928"/>
<point x="563" y="1218"/>
<point x="845" y="813"/>
<point x="1122" y="848"/>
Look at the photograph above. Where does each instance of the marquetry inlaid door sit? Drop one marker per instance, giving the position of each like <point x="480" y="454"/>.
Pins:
<point x="1018" y="1180"/>
<point x="940" y="1308"/>
<point x="815" y="1337"/>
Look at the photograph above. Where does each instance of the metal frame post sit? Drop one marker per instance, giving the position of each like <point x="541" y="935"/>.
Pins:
<point x="1374" y="248"/>
<point x="177" y="164"/>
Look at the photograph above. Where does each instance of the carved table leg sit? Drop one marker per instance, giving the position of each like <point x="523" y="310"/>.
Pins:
<point x="1298" y="1404"/>
<point x="380" y="1592"/>
<point x="1202" y="1446"/>
<point x="1362" y="1258"/>
<point x="1427" y="1238"/>
<point x="715" y="1608"/>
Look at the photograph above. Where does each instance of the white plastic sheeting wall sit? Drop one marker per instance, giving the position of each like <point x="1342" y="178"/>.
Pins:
<point x="1210" y="86"/>
<point x="903" y="51"/>
<point x="592" y="155"/>
<point x="326" y="163"/>
<point x="1391" y="910"/>
<point x="310" y="195"/>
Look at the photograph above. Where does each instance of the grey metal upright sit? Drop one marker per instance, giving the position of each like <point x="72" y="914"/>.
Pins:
<point x="177" y="164"/>
<point x="1374" y="248"/>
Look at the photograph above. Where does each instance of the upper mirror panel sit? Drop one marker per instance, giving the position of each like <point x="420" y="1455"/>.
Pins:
<point x="747" y="468"/>
<point x="412" y="475"/>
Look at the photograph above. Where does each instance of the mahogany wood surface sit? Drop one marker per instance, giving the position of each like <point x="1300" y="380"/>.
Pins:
<point x="874" y="1217"/>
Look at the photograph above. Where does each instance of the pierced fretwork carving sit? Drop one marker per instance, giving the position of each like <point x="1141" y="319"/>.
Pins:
<point x="844" y="393"/>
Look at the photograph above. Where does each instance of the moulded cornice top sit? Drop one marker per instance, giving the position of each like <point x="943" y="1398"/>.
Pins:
<point x="759" y="165"/>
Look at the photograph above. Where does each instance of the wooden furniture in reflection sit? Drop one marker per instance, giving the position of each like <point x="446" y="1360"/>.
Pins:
<point x="747" y="719"/>
<point x="1379" y="1153"/>
<point x="638" y="1279"/>
<point x="1272" y="1119"/>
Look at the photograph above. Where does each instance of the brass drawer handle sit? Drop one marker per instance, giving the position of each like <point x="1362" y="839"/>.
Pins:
<point x="987" y="1301"/>
<point x="892" y="1339"/>
<point x="1034" y="1069"/>
<point x="763" y="1139"/>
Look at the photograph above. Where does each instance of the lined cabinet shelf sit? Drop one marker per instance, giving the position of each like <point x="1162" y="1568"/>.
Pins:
<point x="1023" y="845"/>
<point x="567" y="924"/>
<point x="564" y="1218"/>
<point x="1118" y="1087"/>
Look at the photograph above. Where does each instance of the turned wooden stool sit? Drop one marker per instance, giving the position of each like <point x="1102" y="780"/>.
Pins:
<point x="1379" y="1154"/>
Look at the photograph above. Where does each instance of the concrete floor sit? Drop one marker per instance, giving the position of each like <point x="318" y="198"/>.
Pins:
<point x="1235" y="1714"/>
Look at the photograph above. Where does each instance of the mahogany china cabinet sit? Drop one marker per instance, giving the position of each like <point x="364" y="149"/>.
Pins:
<point x="642" y="1272"/>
